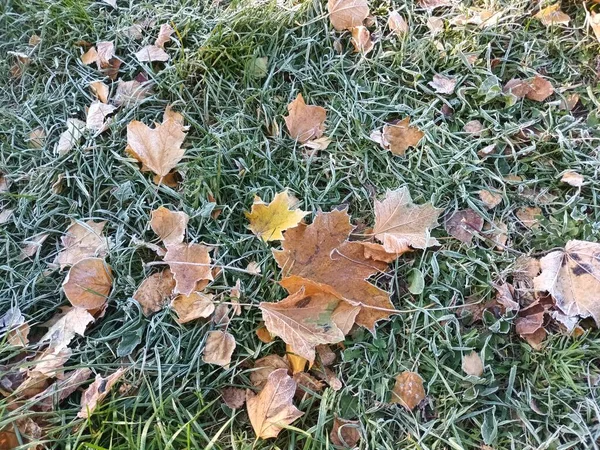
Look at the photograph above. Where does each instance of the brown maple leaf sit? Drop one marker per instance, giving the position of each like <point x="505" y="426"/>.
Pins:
<point x="304" y="122"/>
<point x="347" y="14"/>
<point x="169" y="225"/>
<point x="189" y="263"/>
<point x="398" y="136"/>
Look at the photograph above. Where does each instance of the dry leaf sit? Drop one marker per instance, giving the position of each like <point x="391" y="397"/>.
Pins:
<point x="463" y="225"/>
<point x="106" y="52"/>
<point x="233" y="397"/>
<point x="164" y="35"/>
<point x="151" y="53"/>
<point x="572" y="178"/>
<point x="89" y="57"/>
<point x="397" y="24"/>
<point x="398" y="137"/>
<point x="306" y="385"/>
<point x="321" y="253"/>
<point x="34" y="40"/>
<point x="552" y="15"/>
<point x="112" y="3"/>
<point x="263" y="367"/>
<point x="297" y="363"/>
<point x="498" y="233"/>
<point x="96" y="116"/>
<point x="377" y="252"/>
<point x="435" y="25"/>
<point x="272" y="409"/>
<point x="594" y="23"/>
<point x="361" y="40"/>
<point x="218" y="348"/>
<point x="263" y="334"/>
<point x="572" y="278"/>
<point x="253" y="268"/>
<point x="189" y="263"/>
<point x="487" y="151"/>
<point x="326" y="355"/>
<point x="130" y="93"/>
<point x="347" y="14"/>
<point x="432" y="4"/>
<point x="345" y="433"/>
<point x="408" y="390"/>
<point x="60" y="389"/>
<point x="304" y="122"/>
<point x="484" y="18"/>
<point x="221" y="314"/>
<point x="100" y="90"/>
<point x="159" y="148"/>
<point x="472" y="364"/>
<point x="32" y="245"/>
<point x="96" y="392"/>
<point x="442" y="84"/>
<point x="490" y="199"/>
<point x="71" y="136"/>
<point x="18" y="336"/>
<point x="5" y="215"/>
<point x="528" y="216"/>
<point x="400" y="224"/>
<point x="268" y="221"/>
<point x="540" y="90"/>
<point x="473" y="127"/>
<point x="37" y="138"/>
<point x="194" y="306"/>
<point x="516" y="87"/>
<point x="82" y="240"/>
<point x="169" y="225"/>
<point x="154" y="291"/>
<point x="88" y="283"/>
<point x="317" y="144"/>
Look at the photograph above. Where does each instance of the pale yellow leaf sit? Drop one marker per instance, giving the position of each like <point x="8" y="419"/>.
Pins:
<point x="100" y="90"/>
<point x="97" y="116"/>
<point x="218" y="348"/>
<point x="552" y="15"/>
<point x="71" y="136"/>
<point x="472" y="364"/>
<point x="361" y="40"/>
<point x="164" y="35"/>
<point x="397" y="24"/>
<point x="63" y="331"/>
<point x="151" y="53"/>
<point x="573" y="178"/>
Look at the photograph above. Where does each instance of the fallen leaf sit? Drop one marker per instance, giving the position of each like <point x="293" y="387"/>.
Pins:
<point x="326" y="355"/>
<point x="530" y="320"/>
<point x="189" y="263"/>
<point x="572" y="178"/>
<point x="552" y="15"/>
<point x="63" y="331"/>
<point x="233" y="397"/>
<point x="472" y="364"/>
<point x="159" y="148"/>
<point x="218" y="348"/>
<point x="130" y="93"/>
<point x="297" y="363"/>
<point x="164" y="35"/>
<point x="398" y="137"/>
<point x="397" y="24"/>
<point x="432" y="4"/>
<point x="97" y="116"/>
<point x="321" y="253"/>
<point x="505" y="297"/>
<point x="82" y="240"/>
<point x="263" y="367"/>
<point x="483" y="18"/>
<point x="49" y="364"/>
<point x="96" y="392"/>
<point x="71" y="136"/>
<point x="529" y="216"/>
<point x="60" y="389"/>
<point x="169" y="225"/>
<point x="435" y="25"/>
<point x="408" y="390"/>
<point x="264" y="335"/>
<point x="498" y="233"/>
<point x="37" y="138"/>
<point x="253" y="268"/>
<point x="442" y="84"/>
<point x="18" y="336"/>
<point x="540" y="90"/>
<point x="487" y="151"/>
<point x="151" y="53"/>
<point x="516" y="87"/>
<point x="377" y="252"/>
<point x="89" y="57"/>
<point x="347" y="14"/>
<point x="100" y="90"/>
<point x="154" y="292"/>
<point x="306" y="385"/>
<point x="569" y="102"/>
<point x="594" y="23"/>
<point x="572" y="278"/>
<point x="268" y="221"/>
<point x="221" y="314"/>
<point x="305" y="122"/>
<point x="34" y="40"/>
<point x="400" y="224"/>
<point x="317" y="144"/>
<point x="463" y="225"/>
<point x="6" y="215"/>
<point x="105" y="51"/>
<point x="272" y="409"/>
<point x="88" y="283"/>
<point x="194" y="306"/>
<point x="490" y="199"/>
<point x="361" y="40"/>
<point x="112" y="3"/>
<point x="473" y="127"/>
<point x="345" y="433"/>
<point x="32" y="245"/>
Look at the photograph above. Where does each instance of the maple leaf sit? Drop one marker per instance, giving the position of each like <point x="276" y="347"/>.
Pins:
<point x="159" y="148"/>
<point x="81" y="240"/>
<point x="321" y="253"/>
<point x="169" y="225"/>
<point x="218" y="348"/>
<point x="96" y="392"/>
<point x="572" y="278"/>
<point x="408" y="390"/>
<point x="398" y="137"/>
<point x="71" y="136"/>
<point x="377" y="252"/>
<point x="272" y="408"/>
<point x="304" y="122"/>
<point x="361" y="40"/>
<point x="267" y="221"/>
<point x="154" y="291"/>
<point x="472" y="364"/>
<point x="88" y="283"/>
<point x="552" y="15"/>
<point x="193" y="306"/>
<point x="62" y="332"/>
<point x="400" y="224"/>
<point x="345" y="433"/>
<point x="397" y="24"/>
<point x="463" y="225"/>
<point x="189" y="263"/>
<point x="347" y="14"/>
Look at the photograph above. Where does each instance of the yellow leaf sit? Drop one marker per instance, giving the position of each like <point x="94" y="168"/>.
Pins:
<point x="297" y="363"/>
<point x="552" y="15"/>
<point x="267" y="221"/>
<point x="218" y="348"/>
<point x="347" y="14"/>
<point x="304" y="122"/>
<point x="408" y="390"/>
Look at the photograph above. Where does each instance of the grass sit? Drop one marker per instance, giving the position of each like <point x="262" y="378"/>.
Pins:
<point x="237" y="147"/>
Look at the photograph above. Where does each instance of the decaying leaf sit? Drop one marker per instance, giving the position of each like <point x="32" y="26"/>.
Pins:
<point x="82" y="240"/>
<point x="377" y="252"/>
<point x="61" y="333"/>
<point x="88" y="283"/>
<point x="398" y="137"/>
<point x="572" y="278"/>
<point x="594" y="23"/>
<point x="272" y="409"/>
<point x="490" y="199"/>
<point x="169" y="225"/>
<point x="442" y="84"/>
<point x="37" y="138"/>
<point x="104" y="57"/>
<point x="573" y="178"/>
<point x="306" y="385"/>
<point x="263" y="367"/>
<point x="130" y="93"/>
<point x="96" y="392"/>
<point x="233" y="397"/>
<point x="464" y="224"/>
<point x="268" y="221"/>
<point x="151" y="53"/>
<point x="164" y="35"/>
<point x="432" y="4"/>
<point x="71" y="136"/>
<point x="100" y="90"/>
<point x="552" y="15"/>
<point x="361" y="40"/>
<point x="541" y="89"/>
<point x="528" y="216"/>
<point x="189" y="263"/>
<point x="397" y="24"/>
<point x="483" y="18"/>
<point x="218" y="348"/>
<point x="32" y="245"/>
<point x="408" y="390"/>
<point x="61" y="389"/>
<point x="345" y="433"/>
<point x="401" y="225"/>
<point x="194" y="306"/>
<point x="154" y="291"/>
<point x="305" y="122"/>
<point x="347" y="14"/>
<point x="472" y="364"/>
<point x="97" y="116"/>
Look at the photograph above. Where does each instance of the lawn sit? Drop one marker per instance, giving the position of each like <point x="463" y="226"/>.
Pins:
<point x="238" y="147"/>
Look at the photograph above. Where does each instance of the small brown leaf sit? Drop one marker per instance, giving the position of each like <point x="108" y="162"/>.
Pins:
<point x="194" y="306"/>
<point x="573" y="178"/>
<point x="18" y="336"/>
<point x="154" y="291"/>
<point x="473" y="127"/>
<point x="552" y="15"/>
<point x="529" y="216"/>
<point x="472" y="364"/>
<point x="397" y="24"/>
<point x="189" y="263"/>
<point x="88" y="283"/>
<point x="516" y="87"/>
<point x="306" y="385"/>
<point x="345" y="433"/>
<point x="96" y="392"/>
<point x="377" y="252"/>
<point x="151" y="53"/>
<point x="233" y="397"/>
<point x="164" y="35"/>
<point x="442" y="84"/>
<point x="408" y="390"/>
<point x="100" y="90"/>
<point x="398" y="137"/>
<point x="347" y="14"/>
<point x="169" y="225"/>
<point x="361" y="40"/>
<point x="304" y="122"/>
<point x="218" y="348"/>
<point x="32" y="245"/>
<point x="540" y="90"/>
<point x="463" y="225"/>
<point x="82" y="240"/>
<point x="432" y="4"/>
<point x="594" y="23"/>
<point x="490" y="199"/>
<point x="63" y="331"/>
<point x="263" y="367"/>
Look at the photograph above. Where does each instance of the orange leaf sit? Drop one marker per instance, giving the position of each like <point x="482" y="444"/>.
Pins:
<point x="88" y="283"/>
<point x="169" y="225"/>
<point x="304" y="122"/>
<point x="408" y="390"/>
<point x="154" y="291"/>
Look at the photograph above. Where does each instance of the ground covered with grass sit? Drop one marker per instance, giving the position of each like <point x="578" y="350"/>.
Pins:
<point x="237" y="147"/>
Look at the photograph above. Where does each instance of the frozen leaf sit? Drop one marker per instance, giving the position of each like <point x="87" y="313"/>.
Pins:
<point x="482" y="17"/>
<point x="304" y="122"/>
<point x="377" y="252"/>
<point x="32" y="245"/>
<point x="159" y="148"/>
<point x="442" y="84"/>
<point x="569" y="102"/>
<point x="401" y="225"/>
<point x="96" y="392"/>
<point x="6" y="215"/>
<point x="321" y="253"/>
<point x="34" y="40"/>
<point x="408" y="390"/>
<point x="552" y="15"/>
<point x="37" y="138"/>
<point x="253" y="268"/>
<point x="490" y="199"/>
<point x="572" y="178"/>
<point x="88" y="283"/>
<point x="530" y="320"/>
<point x="397" y="24"/>
<point x="572" y="278"/>
<point x="472" y="364"/>
<point x="268" y="221"/>
<point x="82" y="240"/>
<point x="89" y="57"/>
<point x="61" y="389"/>
<point x="516" y="87"/>
<point x="487" y="151"/>
<point x="130" y="93"/>
<point x="218" y="348"/>
<point x="194" y="306"/>
<point x="435" y="25"/>
<point x="432" y="4"/>
<point x="505" y="297"/>
<point x="347" y="14"/>
<point x="264" y="335"/>
<point x="398" y="137"/>
<point x="169" y="225"/>
<point x="164" y="35"/>
<point x="112" y="3"/>
<point x="18" y="336"/>
<point x="345" y="433"/>
<point x="100" y="90"/>
<point x="233" y="397"/>
<point x="594" y="23"/>
<point x="272" y="409"/>
<point x="361" y="40"/>
<point x="306" y="385"/>
<point x="96" y="116"/>
<point x="529" y="216"/>
<point x="540" y="90"/>
<point x="154" y="291"/>
<point x="263" y="367"/>
<point x="71" y="136"/>
<point x="473" y="127"/>
<point x="189" y="263"/>
<point x="463" y="225"/>
<point x="106" y="52"/>
<point x="151" y="53"/>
